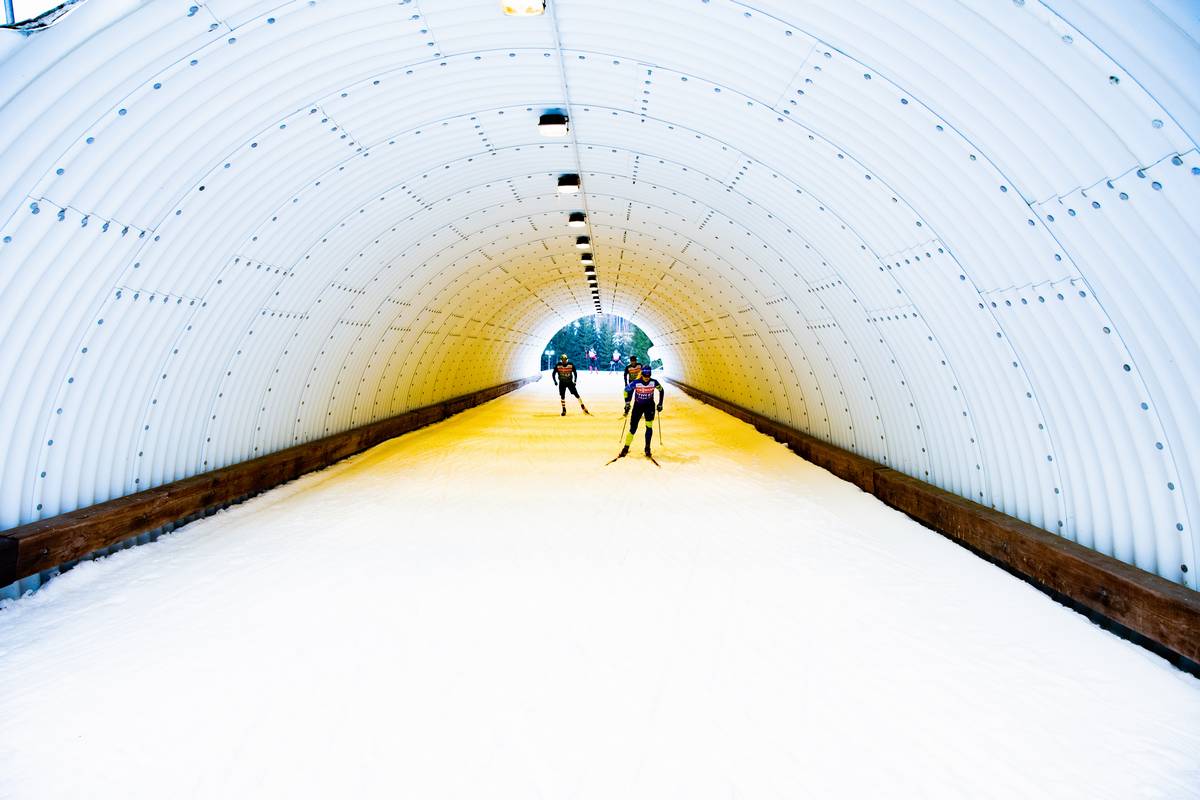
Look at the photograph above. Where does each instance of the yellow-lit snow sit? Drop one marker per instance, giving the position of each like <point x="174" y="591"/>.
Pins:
<point x="481" y="609"/>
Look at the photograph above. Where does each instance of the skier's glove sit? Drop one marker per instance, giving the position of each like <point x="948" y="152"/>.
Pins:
<point x="627" y="409"/>
<point x="660" y="406"/>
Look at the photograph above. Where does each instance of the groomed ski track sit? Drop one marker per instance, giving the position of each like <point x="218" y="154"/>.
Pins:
<point x="482" y="609"/>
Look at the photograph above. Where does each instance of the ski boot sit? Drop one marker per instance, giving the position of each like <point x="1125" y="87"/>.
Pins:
<point x="648" y="452"/>
<point x="564" y="412"/>
<point x="624" y="452"/>
<point x="581" y="405"/>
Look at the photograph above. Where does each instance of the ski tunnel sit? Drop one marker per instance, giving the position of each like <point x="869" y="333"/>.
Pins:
<point x="946" y="246"/>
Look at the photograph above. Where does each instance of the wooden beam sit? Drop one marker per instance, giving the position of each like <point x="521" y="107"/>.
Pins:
<point x="1151" y="605"/>
<point x="1166" y="614"/>
<point x="41" y="545"/>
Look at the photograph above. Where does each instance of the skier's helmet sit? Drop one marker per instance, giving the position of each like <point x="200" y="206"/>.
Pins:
<point x="646" y="373"/>
<point x="633" y="359"/>
<point x="563" y="358"/>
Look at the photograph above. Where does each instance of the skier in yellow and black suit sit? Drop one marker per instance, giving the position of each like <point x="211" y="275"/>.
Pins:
<point x="641" y="392"/>
<point x="633" y="371"/>
<point x="564" y="375"/>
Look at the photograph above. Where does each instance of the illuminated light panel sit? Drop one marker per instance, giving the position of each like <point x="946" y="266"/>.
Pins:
<point x="568" y="184"/>
<point x="554" y="126"/>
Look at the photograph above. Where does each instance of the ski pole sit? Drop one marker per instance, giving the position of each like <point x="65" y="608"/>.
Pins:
<point x="621" y="435"/>
<point x="660" y="444"/>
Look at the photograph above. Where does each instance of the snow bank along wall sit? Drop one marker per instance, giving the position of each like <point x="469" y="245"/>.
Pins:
<point x="956" y="238"/>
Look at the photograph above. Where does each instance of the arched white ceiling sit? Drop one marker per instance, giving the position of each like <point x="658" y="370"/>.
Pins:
<point x="955" y="237"/>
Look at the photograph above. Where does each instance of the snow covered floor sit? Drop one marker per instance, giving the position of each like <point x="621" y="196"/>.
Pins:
<point x="482" y="610"/>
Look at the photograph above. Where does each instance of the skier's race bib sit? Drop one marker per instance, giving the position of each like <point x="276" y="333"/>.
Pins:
<point x="564" y="372"/>
<point x="644" y="392"/>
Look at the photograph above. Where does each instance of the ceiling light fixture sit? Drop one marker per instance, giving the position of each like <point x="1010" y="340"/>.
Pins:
<point x="583" y="243"/>
<point x="577" y="219"/>
<point x="553" y="125"/>
<point x="568" y="184"/>
<point x="525" y="8"/>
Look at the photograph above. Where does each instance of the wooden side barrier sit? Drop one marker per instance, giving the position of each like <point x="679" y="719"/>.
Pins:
<point x="1164" y="613"/>
<point x="47" y="543"/>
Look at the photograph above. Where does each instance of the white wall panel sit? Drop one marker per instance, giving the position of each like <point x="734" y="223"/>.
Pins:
<point x="855" y="217"/>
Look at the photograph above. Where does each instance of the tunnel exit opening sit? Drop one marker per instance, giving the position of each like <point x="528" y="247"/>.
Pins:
<point x="602" y="343"/>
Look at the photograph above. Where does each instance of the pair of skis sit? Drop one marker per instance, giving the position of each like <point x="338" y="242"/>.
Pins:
<point x="622" y="454"/>
<point x="647" y="456"/>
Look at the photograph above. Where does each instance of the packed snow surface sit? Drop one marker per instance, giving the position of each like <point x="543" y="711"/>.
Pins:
<point x="482" y="609"/>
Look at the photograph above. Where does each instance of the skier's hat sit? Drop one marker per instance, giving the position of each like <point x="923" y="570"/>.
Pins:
<point x="646" y="369"/>
<point x="563" y="357"/>
<point x="633" y="358"/>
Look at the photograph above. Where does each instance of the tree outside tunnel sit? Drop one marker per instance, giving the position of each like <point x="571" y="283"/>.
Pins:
<point x="607" y="335"/>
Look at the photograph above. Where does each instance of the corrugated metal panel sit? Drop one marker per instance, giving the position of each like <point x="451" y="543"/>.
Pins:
<point x="234" y="226"/>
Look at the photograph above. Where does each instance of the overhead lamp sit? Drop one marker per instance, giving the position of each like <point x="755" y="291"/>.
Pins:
<point x="553" y="125"/>
<point x="590" y="269"/>
<point x="586" y="259"/>
<point x="525" y="8"/>
<point x="568" y="184"/>
<point x="583" y="243"/>
<point x="577" y="219"/>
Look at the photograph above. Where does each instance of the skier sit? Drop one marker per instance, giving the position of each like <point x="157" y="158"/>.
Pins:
<point x="633" y="371"/>
<point x="564" y="375"/>
<point x="592" y="360"/>
<point x="641" y="392"/>
<point x="616" y="362"/>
